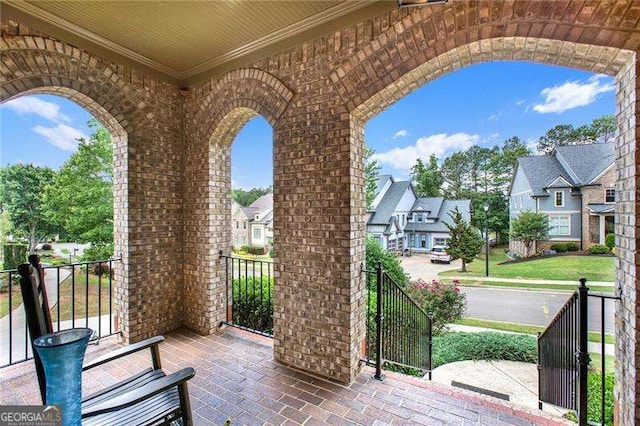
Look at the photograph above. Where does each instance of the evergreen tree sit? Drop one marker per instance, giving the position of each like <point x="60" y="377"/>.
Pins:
<point x="464" y="242"/>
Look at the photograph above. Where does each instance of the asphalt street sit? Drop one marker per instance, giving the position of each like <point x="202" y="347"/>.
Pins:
<point x="529" y="307"/>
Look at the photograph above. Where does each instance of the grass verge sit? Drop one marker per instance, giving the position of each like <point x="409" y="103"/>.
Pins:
<point x="525" y="328"/>
<point x="528" y="286"/>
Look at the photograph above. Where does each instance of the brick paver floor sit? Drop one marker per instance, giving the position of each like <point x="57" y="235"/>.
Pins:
<point x="237" y="379"/>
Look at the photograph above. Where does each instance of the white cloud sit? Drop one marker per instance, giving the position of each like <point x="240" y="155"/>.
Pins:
<point x="400" y="133"/>
<point x="573" y="94"/>
<point x="62" y="136"/>
<point x="33" y="105"/>
<point x="404" y="158"/>
<point x="519" y="102"/>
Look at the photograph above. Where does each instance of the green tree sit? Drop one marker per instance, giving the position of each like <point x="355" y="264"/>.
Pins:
<point x="245" y="198"/>
<point x="601" y="129"/>
<point x="80" y="198"/>
<point x="5" y="226"/>
<point x="529" y="227"/>
<point x="453" y="174"/>
<point x="21" y="188"/>
<point x="371" y="173"/>
<point x="464" y="242"/>
<point x="427" y="178"/>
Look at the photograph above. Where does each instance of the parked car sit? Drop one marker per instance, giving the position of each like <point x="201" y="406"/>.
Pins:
<point x="439" y="254"/>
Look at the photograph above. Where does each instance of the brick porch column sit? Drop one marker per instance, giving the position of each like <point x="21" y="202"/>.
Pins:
<point x="627" y="392"/>
<point x="319" y="233"/>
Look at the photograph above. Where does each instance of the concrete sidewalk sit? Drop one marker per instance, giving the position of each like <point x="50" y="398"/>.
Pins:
<point x="517" y="381"/>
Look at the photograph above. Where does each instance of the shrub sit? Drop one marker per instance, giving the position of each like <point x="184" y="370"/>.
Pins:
<point x="595" y="398"/>
<point x="573" y="246"/>
<point x="598" y="249"/>
<point x="98" y="251"/>
<point x="452" y="347"/>
<point x="610" y="241"/>
<point x="14" y="255"/>
<point x="272" y="253"/>
<point x="443" y="303"/>
<point x="253" y="303"/>
<point x="256" y="250"/>
<point x="390" y="263"/>
<point x="559" y="247"/>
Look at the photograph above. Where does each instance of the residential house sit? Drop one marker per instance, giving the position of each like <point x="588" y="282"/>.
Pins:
<point x="253" y="225"/>
<point x="401" y="220"/>
<point x="574" y="186"/>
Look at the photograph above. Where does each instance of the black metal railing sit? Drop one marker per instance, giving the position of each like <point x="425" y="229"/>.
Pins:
<point x="563" y="356"/>
<point x="249" y="290"/>
<point x="399" y="332"/>
<point x="80" y="295"/>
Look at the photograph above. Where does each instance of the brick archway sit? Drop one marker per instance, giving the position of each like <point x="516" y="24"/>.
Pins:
<point x="391" y="66"/>
<point x="39" y="65"/>
<point x="219" y="112"/>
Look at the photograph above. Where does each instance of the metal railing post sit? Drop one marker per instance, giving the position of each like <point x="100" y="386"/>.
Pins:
<point x="379" y="319"/>
<point x="582" y="355"/>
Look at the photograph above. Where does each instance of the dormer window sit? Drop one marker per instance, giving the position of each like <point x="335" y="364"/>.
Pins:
<point x="610" y="195"/>
<point x="558" y="198"/>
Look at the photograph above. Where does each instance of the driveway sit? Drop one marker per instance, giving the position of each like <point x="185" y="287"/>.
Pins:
<point x="419" y="266"/>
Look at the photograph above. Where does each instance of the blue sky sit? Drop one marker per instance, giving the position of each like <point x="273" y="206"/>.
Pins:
<point x="482" y="104"/>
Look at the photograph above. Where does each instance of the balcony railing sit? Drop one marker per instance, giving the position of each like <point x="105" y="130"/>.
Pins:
<point x="563" y="357"/>
<point x="399" y="332"/>
<point x="80" y="295"/>
<point x="249" y="289"/>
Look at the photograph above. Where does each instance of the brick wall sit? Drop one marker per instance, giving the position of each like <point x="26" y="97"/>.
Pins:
<point x="627" y="318"/>
<point x="595" y="194"/>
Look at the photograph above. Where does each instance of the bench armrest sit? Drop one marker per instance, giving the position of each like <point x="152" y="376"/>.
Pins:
<point x="141" y="394"/>
<point x="152" y="343"/>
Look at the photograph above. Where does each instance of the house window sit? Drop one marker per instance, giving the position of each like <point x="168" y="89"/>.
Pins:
<point x="610" y="195"/>
<point x="559" y="225"/>
<point x="237" y="225"/>
<point x="559" y="198"/>
<point x="423" y="240"/>
<point x="244" y="225"/>
<point x="403" y="221"/>
<point x="257" y="234"/>
<point x="419" y="217"/>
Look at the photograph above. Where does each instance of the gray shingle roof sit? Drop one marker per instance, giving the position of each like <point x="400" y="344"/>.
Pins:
<point x="263" y="203"/>
<point x="541" y="171"/>
<point x="382" y="179"/>
<point x="388" y="203"/>
<point x="445" y="207"/>
<point x="430" y="204"/>
<point x="587" y="161"/>
<point x="583" y="164"/>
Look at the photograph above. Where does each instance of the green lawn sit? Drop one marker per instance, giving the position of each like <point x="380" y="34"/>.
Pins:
<point x="594" y="268"/>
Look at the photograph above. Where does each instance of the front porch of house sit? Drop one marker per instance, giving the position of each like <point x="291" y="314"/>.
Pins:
<point x="237" y="379"/>
<point x="173" y="126"/>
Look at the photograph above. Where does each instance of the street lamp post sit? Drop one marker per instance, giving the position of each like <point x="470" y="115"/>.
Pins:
<point x="485" y="206"/>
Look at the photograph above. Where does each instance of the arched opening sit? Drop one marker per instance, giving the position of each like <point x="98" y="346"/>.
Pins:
<point x="617" y="63"/>
<point x="58" y="196"/>
<point x="242" y="230"/>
